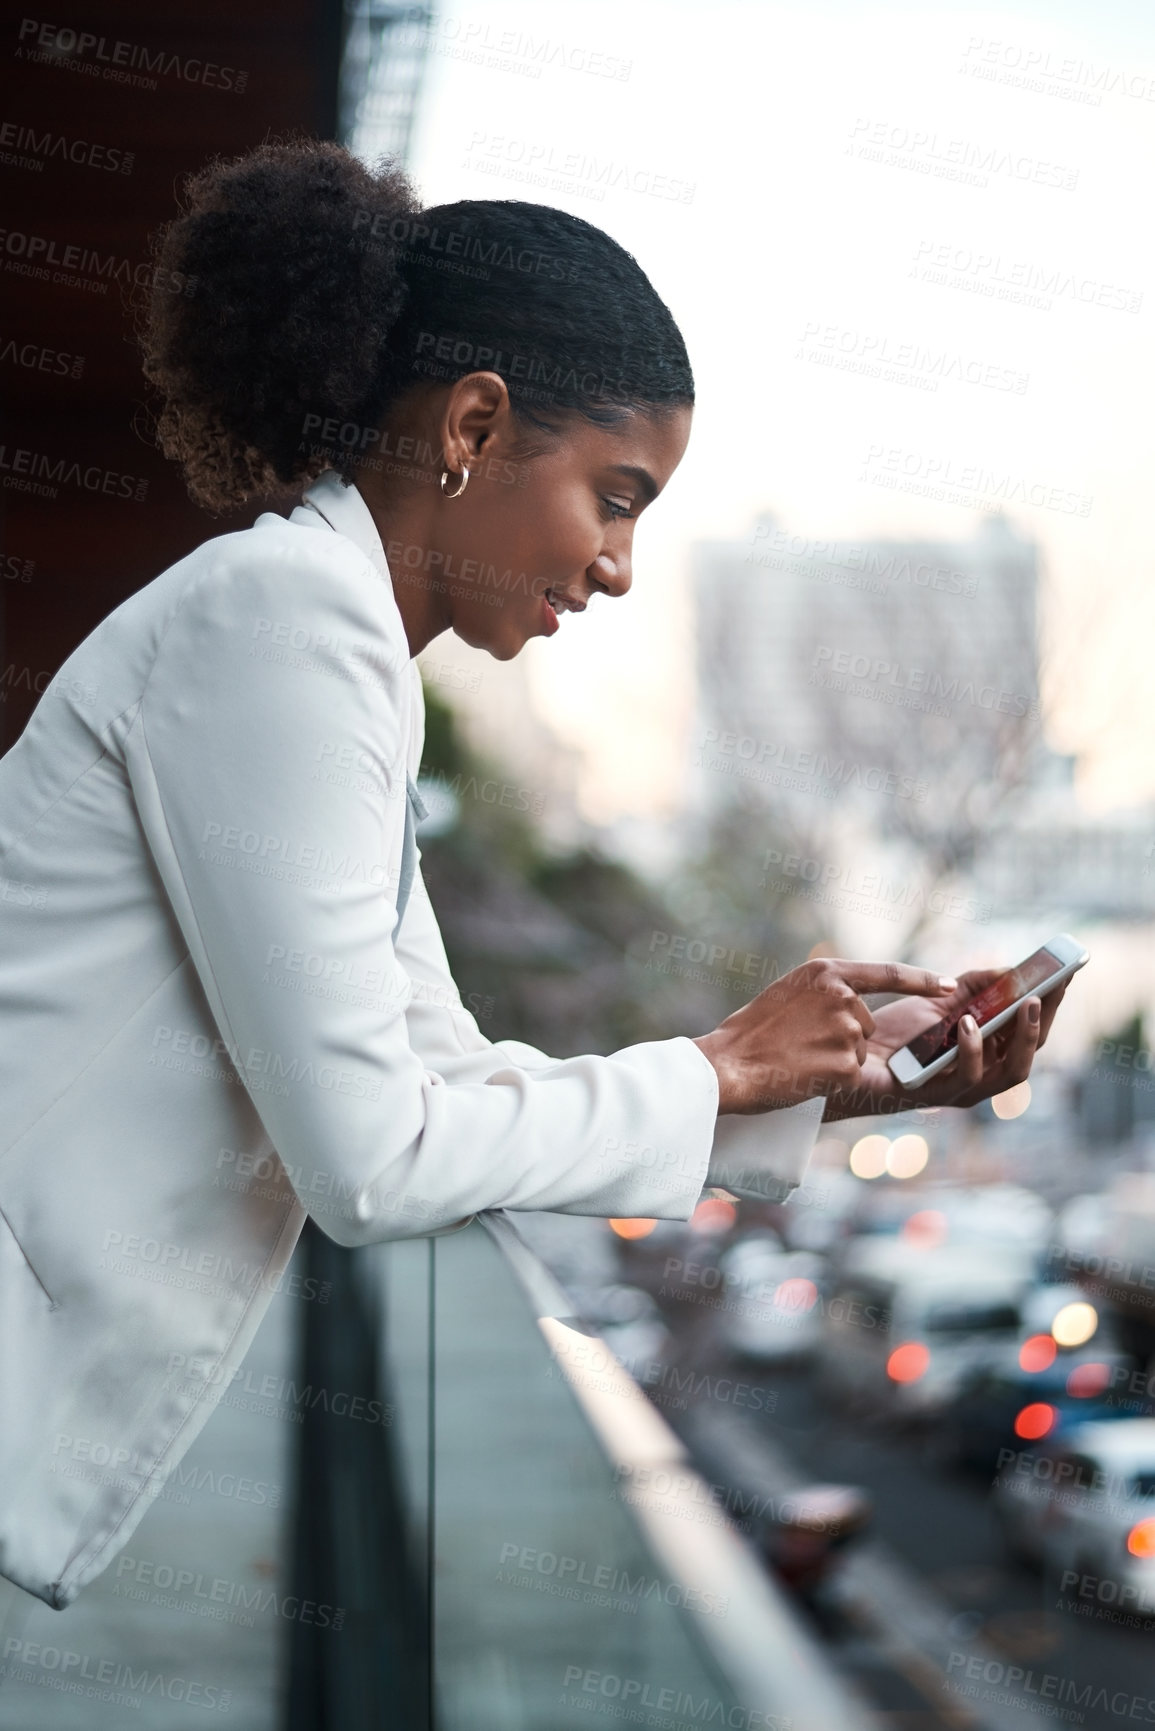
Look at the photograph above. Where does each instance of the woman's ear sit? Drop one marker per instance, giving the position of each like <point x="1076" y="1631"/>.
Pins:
<point x="477" y="413"/>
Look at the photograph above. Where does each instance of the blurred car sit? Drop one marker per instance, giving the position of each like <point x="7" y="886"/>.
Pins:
<point x="630" y="1323"/>
<point x="1067" y="1366"/>
<point x="1082" y="1320"/>
<point x="1106" y="1242"/>
<point x="676" y="1261"/>
<point x="770" y="1305"/>
<point x="984" y="1215"/>
<point x="802" y="1531"/>
<point x="1003" y="1404"/>
<point x="1084" y="1509"/>
<point x="904" y="1323"/>
<point x="818" y="1215"/>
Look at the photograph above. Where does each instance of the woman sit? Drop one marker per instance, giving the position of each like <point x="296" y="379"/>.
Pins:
<point x="224" y="997"/>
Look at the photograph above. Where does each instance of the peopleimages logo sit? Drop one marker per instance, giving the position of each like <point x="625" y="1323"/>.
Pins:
<point x="847" y="669"/>
<point x="535" y="368"/>
<point x="870" y="567"/>
<point x="961" y="159"/>
<point x="634" y="1693"/>
<point x="42" y="145"/>
<point x="797" y="768"/>
<point x="259" y="1066"/>
<point x="83" y="51"/>
<point x="1018" y="280"/>
<point x="855" y="891"/>
<point x="88" y="1674"/>
<point x="39" y="358"/>
<point x="602" y="1578"/>
<point x="36" y="472"/>
<point x="964" y="1670"/>
<point x="942" y="477"/>
<point x="876" y="354"/>
<point x="49" y="261"/>
<point x="217" y="1590"/>
<point x="1026" y="66"/>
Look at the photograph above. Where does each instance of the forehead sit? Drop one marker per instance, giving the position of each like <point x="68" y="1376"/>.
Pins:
<point x="645" y="439"/>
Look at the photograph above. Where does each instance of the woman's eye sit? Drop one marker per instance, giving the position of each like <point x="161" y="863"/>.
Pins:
<point x="615" y="508"/>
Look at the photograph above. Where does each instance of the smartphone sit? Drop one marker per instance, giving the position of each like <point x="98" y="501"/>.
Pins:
<point x="937" y="1046"/>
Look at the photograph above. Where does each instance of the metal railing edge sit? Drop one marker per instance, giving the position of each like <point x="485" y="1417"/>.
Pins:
<point x="760" y="1645"/>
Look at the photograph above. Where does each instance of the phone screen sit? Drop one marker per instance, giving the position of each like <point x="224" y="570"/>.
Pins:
<point x="999" y="995"/>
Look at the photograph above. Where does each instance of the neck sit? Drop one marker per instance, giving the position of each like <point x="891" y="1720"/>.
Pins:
<point x="405" y="521"/>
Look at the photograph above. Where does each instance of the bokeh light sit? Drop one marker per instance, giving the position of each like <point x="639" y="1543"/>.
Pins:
<point x="868" y="1156"/>
<point x="1035" y="1421"/>
<point x="632" y="1228"/>
<point x="1088" y="1380"/>
<point x="796" y="1294"/>
<point x="907" y="1156"/>
<point x="927" y="1227"/>
<point x="1141" y="1538"/>
<point x="713" y="1215"/>
<point x="1038" y="1353"/>
<point x="1013" y="1103"/>
<point x="1075" y="1323"/>
<point x="908" y="1362"/>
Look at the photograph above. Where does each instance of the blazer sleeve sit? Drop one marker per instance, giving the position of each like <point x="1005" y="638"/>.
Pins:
<point x="759" y="1156"/>
<point x="267" y="759"/>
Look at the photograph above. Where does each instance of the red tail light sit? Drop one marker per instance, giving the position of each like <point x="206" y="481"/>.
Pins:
<point x="908" y="1362"/>
<point x="1035" y="1421"/>
<point x="796" y="1294"/>
<point x="1141" y="1538"/>
<point x="1037" y="1353"/>
<point x="1087" y="1380"/>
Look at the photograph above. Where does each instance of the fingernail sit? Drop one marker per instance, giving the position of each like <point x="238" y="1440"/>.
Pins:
<point x="1034" y="1011"/>
<point x="946" y="983"/>
<point x="968" y="1024"/>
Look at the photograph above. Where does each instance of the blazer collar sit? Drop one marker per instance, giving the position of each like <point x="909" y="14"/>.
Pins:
<point x="345" y="510"/>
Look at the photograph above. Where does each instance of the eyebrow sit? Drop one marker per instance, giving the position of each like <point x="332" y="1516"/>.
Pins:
<point x="642" y="476"/>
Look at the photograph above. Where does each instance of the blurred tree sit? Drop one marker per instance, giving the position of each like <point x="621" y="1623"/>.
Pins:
<point x="1114" y="1092"/>
<point x="571" y="953"/>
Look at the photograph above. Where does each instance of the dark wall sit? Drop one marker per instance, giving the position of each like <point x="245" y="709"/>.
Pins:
<point x="104" y="111"/>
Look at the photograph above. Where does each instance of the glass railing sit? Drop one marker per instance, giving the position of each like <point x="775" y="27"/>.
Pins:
<point x="517" y="1537"/>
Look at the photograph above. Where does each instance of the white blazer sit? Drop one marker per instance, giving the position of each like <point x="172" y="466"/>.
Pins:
<point x="209" y="1026"/>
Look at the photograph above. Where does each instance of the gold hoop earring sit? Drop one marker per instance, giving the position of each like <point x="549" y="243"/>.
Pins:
<point x="460" y="490"/>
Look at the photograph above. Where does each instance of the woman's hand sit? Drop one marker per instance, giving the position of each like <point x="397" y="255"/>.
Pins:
<point x="982" y="1068"/>
<point x="810" y="1034"/>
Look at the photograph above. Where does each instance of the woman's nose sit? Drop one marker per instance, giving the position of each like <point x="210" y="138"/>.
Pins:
<point x="612" y="571"/>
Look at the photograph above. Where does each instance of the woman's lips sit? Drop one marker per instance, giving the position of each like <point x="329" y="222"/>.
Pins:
<point x="551" y="619"/>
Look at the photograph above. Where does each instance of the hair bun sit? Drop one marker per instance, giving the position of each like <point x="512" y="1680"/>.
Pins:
<point x="288" y="257"/>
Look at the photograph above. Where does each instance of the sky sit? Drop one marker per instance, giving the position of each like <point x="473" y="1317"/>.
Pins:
<point x="816" y="191"/>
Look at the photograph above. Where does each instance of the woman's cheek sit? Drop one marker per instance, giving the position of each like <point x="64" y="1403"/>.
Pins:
<point x="578" y="534"/>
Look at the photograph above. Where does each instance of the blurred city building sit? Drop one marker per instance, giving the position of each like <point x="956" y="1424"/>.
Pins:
<point x="886" y="650"/>
<point x="495" y="704"/>
<point x="1102" y="866"/>
<point x="109" y="511"/>
<point x="894" y="600"/>
<point x="382" y="69"/>
<point x="874" y="708"/>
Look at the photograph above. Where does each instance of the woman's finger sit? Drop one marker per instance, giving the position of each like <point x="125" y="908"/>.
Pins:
<point x="977" y="980"/>
<point x="1050" y="1004"/>
<point x="963" y="1077"/>
<point x="969" y="1069"/>
<point x="1024" y="1044"/>
<point x="1012" y="1064"/>
<point x="894" y="977"/>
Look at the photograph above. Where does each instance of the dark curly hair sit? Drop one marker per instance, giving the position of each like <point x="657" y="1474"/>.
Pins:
<point x="300" y="293"/>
